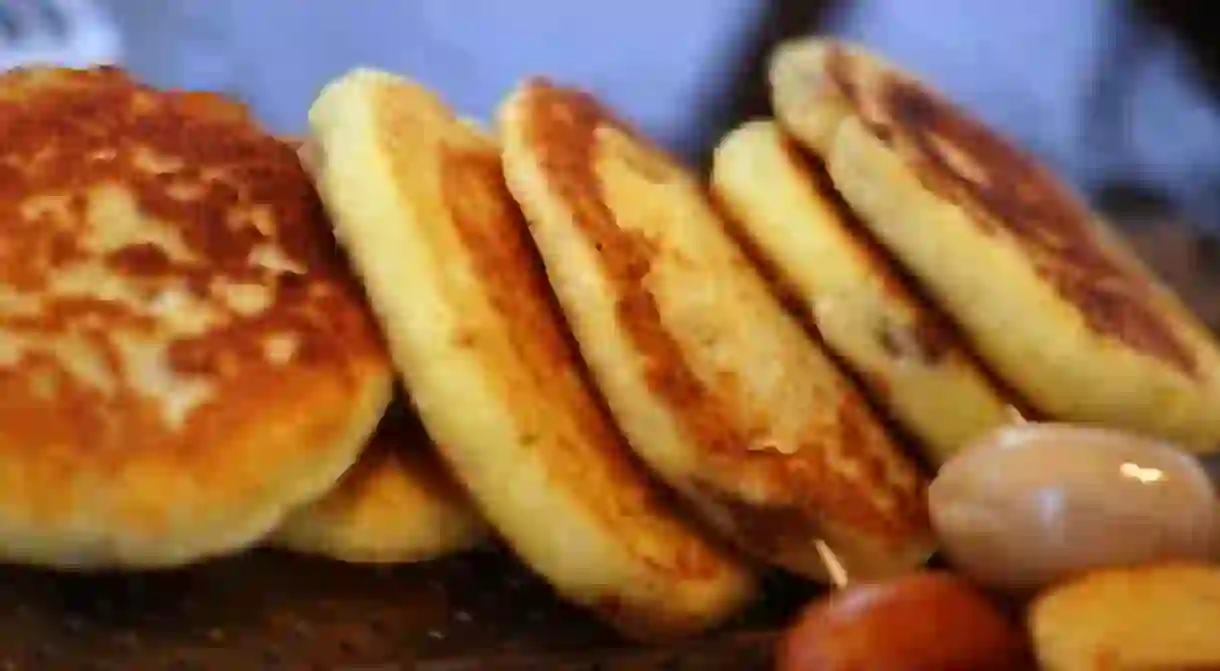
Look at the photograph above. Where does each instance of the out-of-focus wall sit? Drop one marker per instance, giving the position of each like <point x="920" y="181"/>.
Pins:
<point x="1102" y="100"/>
<point x="656" y="59"/>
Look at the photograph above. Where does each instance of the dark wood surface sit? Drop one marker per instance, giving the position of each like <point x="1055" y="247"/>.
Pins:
<point x="268" y="610"/>
<point x="747" y="95"/>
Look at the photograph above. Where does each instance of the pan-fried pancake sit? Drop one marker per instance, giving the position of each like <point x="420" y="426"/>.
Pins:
<point x="419" y="203"/>
<point x="1051" y="299"/>
<point x="1134" y="618"/>
<point x="183" y="356"/>
<point x="712" y="381"/>
<point x="397" y="504"/>
<point x="781" y="207"/>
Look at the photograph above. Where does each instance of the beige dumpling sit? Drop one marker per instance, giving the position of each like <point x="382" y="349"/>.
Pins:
<point x="1032" y="503"/>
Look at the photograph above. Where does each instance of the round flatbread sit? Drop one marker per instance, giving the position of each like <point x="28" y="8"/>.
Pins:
<point x="183" y="356"/>
<point x="419" y="203"/>
<point x="397" y="504"/>
<point x="1049" y="297"/>
<point x="1157" y="616"/>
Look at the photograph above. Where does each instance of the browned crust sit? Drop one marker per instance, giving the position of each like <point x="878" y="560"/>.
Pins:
<point x="512" y="275"/>
<point x="1003" y="189"/>
<point x="931" y="335"/>
<point x="66" y="132"/>
<point x="561" y="128"/>
<point x="400" y="443"/>
<point x="541" y="368"/>
<point x="934" y="336"/>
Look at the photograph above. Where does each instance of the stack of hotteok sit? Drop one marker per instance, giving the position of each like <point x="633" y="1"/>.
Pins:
<point x="649" y="389"/>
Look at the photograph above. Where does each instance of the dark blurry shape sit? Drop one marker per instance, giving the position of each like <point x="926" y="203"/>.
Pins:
<point x="1128" y="201"/>
<point x="51" y="15"/>
<point x="1188" y="27"/>
<point x="1193" y="24"/>
<point x="8" y="25"/>
<point x="748" y="96"/>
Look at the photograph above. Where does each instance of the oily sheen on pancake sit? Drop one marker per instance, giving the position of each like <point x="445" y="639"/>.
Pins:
<point x="782" y="208"/>
<point x="714" y="384"/>
<point x="419" y="203"/>
<point x="397" y="504"/>
<point x="1051" y="299"/>
<point x="183" y="356"/>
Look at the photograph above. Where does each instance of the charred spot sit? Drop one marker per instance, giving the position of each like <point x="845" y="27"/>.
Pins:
<point x="292" y="286"/>
<point x="62" y="248"/>
<point x="762" y="527"/>
<point x="919" y="341"/>
<point x="142" y="260"/>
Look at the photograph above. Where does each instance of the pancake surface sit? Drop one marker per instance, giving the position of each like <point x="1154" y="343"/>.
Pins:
<point x="183" y="357"/>
<point x="397" y="504"/>
<point x="712" y="381"/>
<point x="419" y="203"/>
<point x="1143" y="618"/>
<point x="1051" y="299"/>
<point x="783" y="209"/>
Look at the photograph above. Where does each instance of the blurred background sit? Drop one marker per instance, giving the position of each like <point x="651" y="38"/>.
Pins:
<point x="1119" y="96"/>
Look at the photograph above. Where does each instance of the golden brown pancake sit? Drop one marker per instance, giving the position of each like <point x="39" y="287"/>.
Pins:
<point x="1049" y="296"/>
<point x="419" y="203"/>
<point x="183" y="356"/>
<point x="714" y="384"/>
<point x="397" y="504"/>
<point x="781" y="206"/>
<point x="1144" y="618"/>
